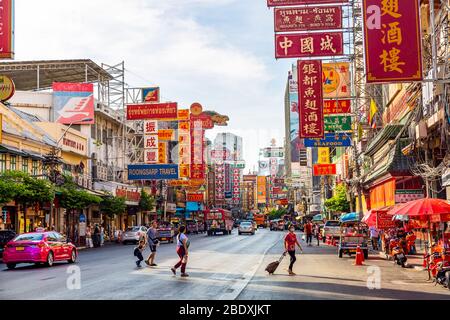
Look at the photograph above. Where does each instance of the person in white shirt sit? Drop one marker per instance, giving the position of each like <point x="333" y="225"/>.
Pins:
<point x="374" y="235"/>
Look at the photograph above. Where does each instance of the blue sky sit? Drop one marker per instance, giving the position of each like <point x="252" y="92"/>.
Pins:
<point x="217" y="52"/>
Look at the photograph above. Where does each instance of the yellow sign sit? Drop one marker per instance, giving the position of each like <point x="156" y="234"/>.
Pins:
<point x="336" y="80"/>
<point x="162" y="152"/>
<point x="184" y="125"/>
<point x="7" y="88"/>
<point x="262" y="187"/>
<point x="183" y="114"/>
<point x="196" y="109"/>
<point x="324" y="156"/>
<point x="184" y="170"/>
<point x="166" y="134"/>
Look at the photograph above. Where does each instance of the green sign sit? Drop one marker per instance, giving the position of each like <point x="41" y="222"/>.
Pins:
<point x="238" y="165"/>
<point x="338" y="123"/>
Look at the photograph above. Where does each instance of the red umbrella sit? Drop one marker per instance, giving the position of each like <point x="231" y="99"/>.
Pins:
<point x="430" y="209"/>
<point x="370" y="218"/>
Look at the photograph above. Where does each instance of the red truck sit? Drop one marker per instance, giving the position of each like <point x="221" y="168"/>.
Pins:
<point x="218" y="221"/>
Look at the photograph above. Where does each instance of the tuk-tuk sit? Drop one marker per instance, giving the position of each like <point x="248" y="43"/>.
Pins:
<point x="166" y="232"/>
<point x="353" y="234"/>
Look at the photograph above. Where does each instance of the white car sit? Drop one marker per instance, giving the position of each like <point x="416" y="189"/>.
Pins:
<point x="332" y="228"/>
<point x="134" y="234"/>
<point x="246" y="227"/>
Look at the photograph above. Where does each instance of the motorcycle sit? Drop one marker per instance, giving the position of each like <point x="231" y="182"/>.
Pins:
<point x="397" y="253"/>
<point x="439" y="269"/>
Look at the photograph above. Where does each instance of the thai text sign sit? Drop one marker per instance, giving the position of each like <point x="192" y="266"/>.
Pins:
<point x="6" y="29"/>
<point x="152" y="172"/>
<point x="392" y="41"/>
<point x="307" y="18"/>
<point x="336" y="106"/>
<point x="324" y="169"/>
<point x="166" y="134"/>
<point x="384" y="221"/>
<point x="195" y="197"/>
<point x="338" y="123"/>
<point x="298" y="45"/>
<point x="274" y="3"/>
<point x="336" y="80"/>
<point x="73" y="102"/>
<point x="310" y="99"/>
<point x="155" y="111"/>
<point x="331" y="140"/>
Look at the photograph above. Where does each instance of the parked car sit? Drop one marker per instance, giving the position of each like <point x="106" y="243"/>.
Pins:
<point x="5" y="237"/>
<point x="166" y="232"/>
<point x="332" y="228"/>
<point x="277" y="225"/>
<point x="39" y="247"/>
<point x="134" y="234"/>
<point x="236" y="223"/>
<point x="246" y="227"/>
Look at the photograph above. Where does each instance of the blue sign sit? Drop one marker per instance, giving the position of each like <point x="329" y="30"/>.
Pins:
<point x="228" y="195"/>
<point x="152" y="171"/>
<point x="82" y="218"/>
<point x="331" y="140"/>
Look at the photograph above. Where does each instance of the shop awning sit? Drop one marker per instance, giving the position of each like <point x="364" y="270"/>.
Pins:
<point x="192" y="206"/>
<point x="389" y="132"/>
<point x="11" y="150"/>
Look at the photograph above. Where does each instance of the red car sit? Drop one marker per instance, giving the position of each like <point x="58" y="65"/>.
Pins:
<point x="39" y="247"/>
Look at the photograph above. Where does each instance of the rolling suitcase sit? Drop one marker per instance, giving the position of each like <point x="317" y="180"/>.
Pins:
<point x="271" y="267"/>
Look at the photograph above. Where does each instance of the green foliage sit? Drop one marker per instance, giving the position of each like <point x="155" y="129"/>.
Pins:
<point x="24" y="189"/>
<point x="277" y="214"/>
<point x="147" y="202"/>
<point x="338" y="203"/>
<point x="73" y="198"/>
<point x="112" y="206"/>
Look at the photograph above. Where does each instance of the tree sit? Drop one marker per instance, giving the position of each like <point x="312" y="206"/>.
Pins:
<point x="8" y="191"/>
<point x="112" y="205"/>
<point x="277" y="213"/>
<point x="74" y="198"/>
<point x="338" y="203"/>
<point x="147" y="202"/>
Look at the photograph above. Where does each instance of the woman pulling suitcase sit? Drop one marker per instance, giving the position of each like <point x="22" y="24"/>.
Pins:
<point x="289" y="244"/>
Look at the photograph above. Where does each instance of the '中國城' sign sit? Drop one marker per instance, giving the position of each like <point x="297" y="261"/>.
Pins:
<point x="298" y="45"/>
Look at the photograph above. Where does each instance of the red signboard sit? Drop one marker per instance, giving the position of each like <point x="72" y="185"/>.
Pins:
<point x="336" y="106"/>
<point x="206" y="120"/>
<point x="73" y="103"/>
<point x="299" y="45"/>
<point x="310" y="99"/>
<point x="155" y="111"/>
<point x="384" y="221"/>
<point x="392" y="41"/>
<point x="307" y="18"/>
<point x="324" y="169"/>
<point x="6" y="29"/>
<point x="130" y="195"/>
<point x="195" y="197"/>
<point x="274" y="3"/>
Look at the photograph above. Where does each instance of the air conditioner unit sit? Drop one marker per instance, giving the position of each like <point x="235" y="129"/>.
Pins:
<point x="421" y="130"/>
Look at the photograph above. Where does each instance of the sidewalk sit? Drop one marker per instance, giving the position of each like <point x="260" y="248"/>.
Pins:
<point x="414" y="261"/>
<point x="105" y="244"/>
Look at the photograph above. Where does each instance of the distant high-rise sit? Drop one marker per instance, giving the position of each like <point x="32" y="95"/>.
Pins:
<point x="229" y="142"/>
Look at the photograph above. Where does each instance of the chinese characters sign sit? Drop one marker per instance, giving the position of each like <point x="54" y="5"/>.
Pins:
<point x="310" y="99"/>
<point x="7" y="29"/>
<point x="338" y="123"/>
<point x="151" y="142"/>
<point x="297" y="45"/>
<point x="392" y="41"/>
<point x="323" y="156"/>
<point x="324" y="169"/>
<point x="336" y="80"/>
<point x="236" y="186"/>
<point x="273" y="3"/>
<point x="336" y="106"/>
<point x="307" y="18"/>
<point x="155" y="111"/>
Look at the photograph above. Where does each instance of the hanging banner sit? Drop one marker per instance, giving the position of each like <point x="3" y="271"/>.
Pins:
<point x="155" y="111"/>
<point x="307" y="18"/>
<point x="336" y="106"/>
<point x="262" y="189"/>
<point x="195" y="197"/>
<point x="338" y="123"/>
<point x="323" y="156"/>
<point x="152" y="172"/>
<point x="324" y="169"/>
<point x="300" y="45"/>
<point x="162" y="152"/>
<point x="310" y="99"/>
<point x="166" y="134"/>
<point x="336" y="80"/>
<point x="274" y="3"/>
<point x="73" y="102"/>
<point x="184" y="170"/>
<point x="331" y="140"/>
<point x="7" y="29"/>
<point x="392" y="41"/>
<point x="150" y="94"/>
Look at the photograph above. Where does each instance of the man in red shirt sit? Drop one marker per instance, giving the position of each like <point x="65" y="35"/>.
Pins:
<point x="289" y="244"/>
<point x="308" y="231"/>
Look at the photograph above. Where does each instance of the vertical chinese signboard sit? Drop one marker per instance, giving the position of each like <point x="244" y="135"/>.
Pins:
<point x="151" y="142"/>
<point x="236" y="186"/>
<point x="323" y="156"/>
<point x="310" y="99"/>
<point x="197" y="153"/>
<point x="262" y="187"/>
<point x="219" y="169"/>
<point x="184" y="148"/>
<point x="7" y="29"/>
<point x="392" y="41"/>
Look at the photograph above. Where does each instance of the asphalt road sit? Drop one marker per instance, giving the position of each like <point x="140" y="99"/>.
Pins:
<point x="220" y="267"/>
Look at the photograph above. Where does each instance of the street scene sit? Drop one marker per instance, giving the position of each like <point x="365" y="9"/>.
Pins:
<point x="225" y="150"/>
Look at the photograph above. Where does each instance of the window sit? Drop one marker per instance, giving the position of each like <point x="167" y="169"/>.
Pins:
<point x="12" y="163"/>
<point x="34" y="167"/>
<point x="2" y="162"/>
<point x="25" y="164"/>
<point x="93" y="131"/>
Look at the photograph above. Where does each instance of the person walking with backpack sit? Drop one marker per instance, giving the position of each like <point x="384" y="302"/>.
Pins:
<point x="152" y="238"/>
<point x="182" y="251"/>
<point x="289" y="244"/>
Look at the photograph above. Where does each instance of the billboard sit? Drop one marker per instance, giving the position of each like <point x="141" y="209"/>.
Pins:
<point x="307" y="18"/>
<point x="150" y="94"/>
<point x="299" y="45"/>
<point x="156" y="111"/>
<point x="336" y="106"/>
<point x="324" y="169"/>
<point x="338" y="123"/>
<point x="331" y="140"/>
<point x="273" y="3"/>
<point x="310" y="99"/>
<point x="7" y="29"/>
<point x="392" y="41"/>
<point x="323" y="156"/>
<point x="262" y="189"/>
<point x="7" y="88"/>
<point x="336" y="80"/>
<point x="73" y="102"/>
<point x="152" y="172"/>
